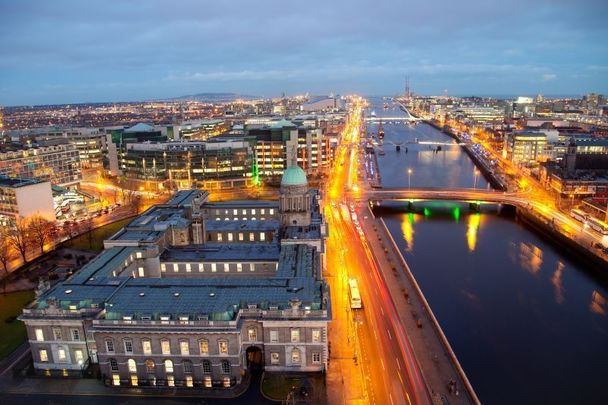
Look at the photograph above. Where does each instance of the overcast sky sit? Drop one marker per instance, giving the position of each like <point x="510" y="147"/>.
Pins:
<point x="79" y="51"/>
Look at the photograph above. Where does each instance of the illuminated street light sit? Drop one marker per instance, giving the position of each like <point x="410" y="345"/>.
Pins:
<point x="409" y="178"/>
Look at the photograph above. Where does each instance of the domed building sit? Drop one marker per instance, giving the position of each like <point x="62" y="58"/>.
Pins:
<point x="295" y="199"/>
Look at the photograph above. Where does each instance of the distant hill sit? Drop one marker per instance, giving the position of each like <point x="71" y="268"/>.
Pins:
<point x="215" y="97"/>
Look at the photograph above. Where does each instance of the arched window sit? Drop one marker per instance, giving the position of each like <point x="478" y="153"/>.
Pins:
<point x="150" y="366"/>
<point x="168" y="366"/>
<point x="206" y="366"/>
<point x="132" y="366"/>
<point x="113" y="365"/>
<point x="187" y="366"/>
<point x="225" y="367"/>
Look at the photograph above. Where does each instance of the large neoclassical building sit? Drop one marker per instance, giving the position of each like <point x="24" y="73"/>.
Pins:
<point x="192" y="293"/>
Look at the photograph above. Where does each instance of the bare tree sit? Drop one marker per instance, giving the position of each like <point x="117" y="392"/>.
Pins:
<point x="87" y="226"/>
<point x="18" y="237"/>
<point x="5" y="249"/>
<point x="40" y="231"/>
<point x="137" y="203"/>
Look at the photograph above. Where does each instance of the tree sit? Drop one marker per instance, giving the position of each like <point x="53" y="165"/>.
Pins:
<point x="40" y="231"/>
<point x="88" y="226"/>
<point x="5" y="249"/>
<point x="18" y="237"/>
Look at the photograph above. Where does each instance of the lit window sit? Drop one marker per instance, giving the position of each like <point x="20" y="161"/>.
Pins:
<point x="164" y="319"/>
<point x="113" y="365"/>
<point x="134" y="380"/>
<point x="226" y="382"/>
<point x="262" y="211"/>
<point x="316" y="335"/>
<point x="262" y="236"/>
<point x="78" y="356"/>
<point x="295" y="356"/>
<point x="57" y="334"/>
<point x="274" y="357"/>
<point x="184" y="348"/>
<point x="175" y="267"/>
<point x="75" y="334"/>
<point x="241" y="236"/>
<point x="239" y="267"/>
<point x="44" y="357"/>
<point x="115" y="379"/>
<point x="207" y="382"/>
<point x="163" y="267"/>
<point x="128" y="346"/>
<point x="226" y="267"/>
<point x="140" y="272"/>
<point x="230" y="237"/>
<point x="219" y="237"/>
<point x="61" y="354"/>
<point x="295" y="335"/>
<point x="189" y="382"/>
<point x="168" y="366"/>
<point x="206" y="366"/>
<point x="252" y="334"/>
<point x="188" y="268"/>
<point x="235" y="212"/>
<point x="213" y="267"/>
<point x="150" y="366"/>
<point x="251" y="237"/>
<point x="139" y="255"/>
<point x="244" y="212"/>
<point x="274" y="336"/>
<point x="200" y="267"/>
<point x="253" y="211"/>
<point x="316" y="357"/>
<point x="204" y="346"/>
<point x="165" y="347"/>
<point x="132" y="366"/>
<point x="39" y="335"/>
<point x="223" y="346"/>
<point x="170" y="381"/>
<point x="271" y="211"/>
<point x="225" y="367"/>
<point x="146" y="346"/>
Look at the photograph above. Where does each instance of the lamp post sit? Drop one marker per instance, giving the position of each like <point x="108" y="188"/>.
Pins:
<point x="409" y="178"/>
<point x="476" y="173"/>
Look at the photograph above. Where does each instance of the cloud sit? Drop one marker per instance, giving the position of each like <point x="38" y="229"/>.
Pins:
<point x="547" y="77"/>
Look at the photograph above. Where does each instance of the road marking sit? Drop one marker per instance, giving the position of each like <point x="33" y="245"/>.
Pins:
<point x="398" y="365"/>
<point x="389" y="334"/>
<point x="400" y="379"/>
<point x="408" y="398"/>
<point x="381" y="362"/>
<point x="375" y="335"/>
<point x="381" y="310"/>
<point x="390" y="397"/>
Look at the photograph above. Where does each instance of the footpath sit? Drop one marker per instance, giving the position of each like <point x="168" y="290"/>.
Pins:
<point x="442" y="372"/>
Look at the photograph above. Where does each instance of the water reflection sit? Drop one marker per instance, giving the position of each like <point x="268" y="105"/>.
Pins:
<point x="530" y="257"/>
<point x="599" y="303"/>
<point x="556" y="281"/>
<point x="472" y="230"/>
<point x="407" y="228"/>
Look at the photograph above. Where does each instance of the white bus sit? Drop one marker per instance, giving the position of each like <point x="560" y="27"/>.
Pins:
<point x="598" y="225"/>
<point x="579" y="215"/>
<point x="353" y="293"/>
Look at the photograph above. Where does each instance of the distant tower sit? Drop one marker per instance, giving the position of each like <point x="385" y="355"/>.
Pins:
<point x="570" y="158"/>
<point x="408" y="93"/>
<point x="294" y="200"/>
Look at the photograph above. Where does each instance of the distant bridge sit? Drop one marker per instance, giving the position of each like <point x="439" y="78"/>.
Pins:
<point x="387" y="119"/>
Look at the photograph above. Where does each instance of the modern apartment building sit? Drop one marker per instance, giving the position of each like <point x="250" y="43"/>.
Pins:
<point x="22" y="198"/>
<point x="169" y="302"/>
<point x="525" y="147"/>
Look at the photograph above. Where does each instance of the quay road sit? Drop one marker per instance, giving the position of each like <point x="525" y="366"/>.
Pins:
<point x="371" y="359"/>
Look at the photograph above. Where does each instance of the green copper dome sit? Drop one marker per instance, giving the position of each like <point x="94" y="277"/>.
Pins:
<point x="294" y="176"/>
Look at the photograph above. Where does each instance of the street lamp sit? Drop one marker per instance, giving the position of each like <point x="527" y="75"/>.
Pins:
<point x="476" y="173"/>
<point x="409" y="178"/>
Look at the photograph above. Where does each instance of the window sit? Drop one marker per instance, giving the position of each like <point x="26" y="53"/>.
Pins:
<point x="78" y="357"/>
<point x="39" y="335"/>
<point x="187" y="366"/>
<point x="226" y="382"/>
<point x="235" y="212"/>
<point x="226" y="267"/>
<point x="189" y="382"/>
<point x="316" y="357"/>
<point x="241" y="236"/>
<point x="295" y="335"/>
<point x="206" y="366"/>
<point x="262" y="211"/>
<point x="113" y="365"/>
<point x="134" y="380"/>
<point x="219" y="237"/>
<point x="316" y="335"/>
<point x="163" y="267"/>
<point x="271" y="211"/>
<point x="115" y="379"/>
<point x="150" y="366"/>
<point x="213" y="267"/>
<point x="175" y="267"/>
<point x="146" y="346"/>
<point x="244" y="212"/>
<point x="110" y="346"/>
<point x="295" y="356"/>
<point x="207" y="382"/>
<point x="132" y="366"/>
<point x="138" y="255"/>
<point x="61" y="354"/>
<point x="164" y="319"/>
<point x="184" y="348"/>
<point x="75" y="334"/>
<point x="251" y="237"/>
<point x="223" y="346"/>
<point x="128" y="346"/>
<point x="262" y="236"/>
<point x="239" y="267"/>
<point x="57" y="334"/>
<point x="188" y="268"/>
<point x="200" y="267"/>
<point x="252" y="334"/>
<point x="170" y="381"/>
<point x="274" y="357"/>
<point x="225" y="367"/>
<point x="274" y="336"/>
<point x="230" y="237"/>
<point x="140" y="272"/>
<point x="165" y="346"/>
<point x="168" y="366"/>
<point x="44" y="357"/>
<point x="204" y="346"/>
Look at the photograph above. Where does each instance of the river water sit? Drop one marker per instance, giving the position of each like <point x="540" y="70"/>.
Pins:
<point x="528" y="323"/>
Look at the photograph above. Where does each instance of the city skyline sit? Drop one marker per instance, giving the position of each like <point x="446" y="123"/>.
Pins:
<point x="75" y="53"/>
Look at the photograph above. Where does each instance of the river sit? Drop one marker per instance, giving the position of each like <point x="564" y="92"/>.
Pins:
<point x="528" y="323"/>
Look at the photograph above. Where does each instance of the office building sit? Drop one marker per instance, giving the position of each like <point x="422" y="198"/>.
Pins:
<point x="23" y="198"/>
